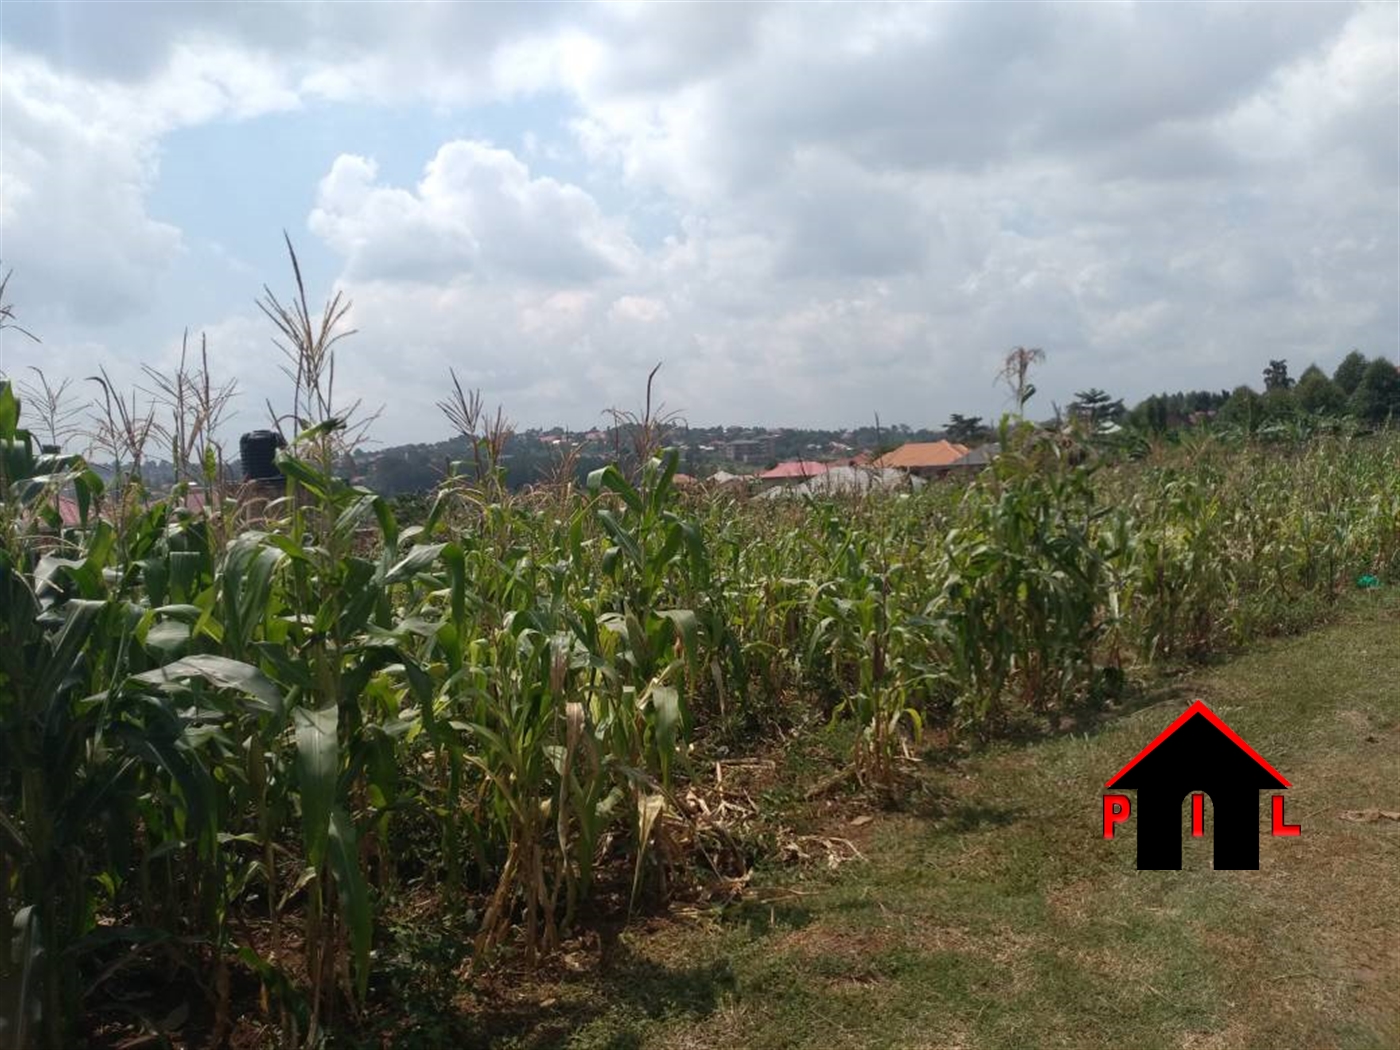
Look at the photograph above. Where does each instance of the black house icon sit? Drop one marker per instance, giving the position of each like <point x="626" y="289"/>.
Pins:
<point x="1198" y="752"/>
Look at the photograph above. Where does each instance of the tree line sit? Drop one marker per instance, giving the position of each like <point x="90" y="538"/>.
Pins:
<point x="1364" y="390"/>
<point x="1367" y="391"/>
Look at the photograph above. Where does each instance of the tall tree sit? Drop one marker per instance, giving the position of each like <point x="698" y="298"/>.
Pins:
<point x="1317" y="395"/>
<point x="1349" y="372"/>
<point x="1276" y="376"/>
<point x="1244" y="409"/>
<point x="1156" y="414"/>
<point x="965" y="430"/>
<point x="1094" y="406"/>
<point x="1377" y="397"/>
<point x="1278" y="404"/>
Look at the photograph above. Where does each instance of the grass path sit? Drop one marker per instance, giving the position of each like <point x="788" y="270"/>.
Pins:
<point x="990" y="912"/>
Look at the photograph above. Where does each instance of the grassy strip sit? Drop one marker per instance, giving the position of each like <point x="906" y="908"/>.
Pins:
<point x="989" y="913"/>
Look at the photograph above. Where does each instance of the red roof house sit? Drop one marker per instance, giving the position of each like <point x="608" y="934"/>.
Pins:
<point x="923" y="457"/>
<point x="794" y="470"/>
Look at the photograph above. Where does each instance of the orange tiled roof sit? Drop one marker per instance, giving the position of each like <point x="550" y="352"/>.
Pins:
<point x="917" y="454"/>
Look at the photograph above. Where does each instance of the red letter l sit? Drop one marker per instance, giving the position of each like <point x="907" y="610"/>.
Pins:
<point x="1280" y="828"/>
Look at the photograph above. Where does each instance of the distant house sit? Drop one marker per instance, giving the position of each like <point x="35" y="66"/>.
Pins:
<point x="68" y="512"/>
<point x="849" y="481"/>
<point x="793" y="470"/>
<point x="978" y="459"/>
<point x="749" y="450"/>
<point x="924" y="458"/>
<point x="860" y="459"/>
<point x="727" y="479"/>
<point x="71" y="516"/>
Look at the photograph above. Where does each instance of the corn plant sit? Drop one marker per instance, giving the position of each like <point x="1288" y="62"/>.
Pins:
<point x="216" y="732"/>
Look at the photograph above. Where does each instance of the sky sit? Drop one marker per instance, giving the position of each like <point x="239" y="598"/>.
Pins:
<point x="811" y="213"/>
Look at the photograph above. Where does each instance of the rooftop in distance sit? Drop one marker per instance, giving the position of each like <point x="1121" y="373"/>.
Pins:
<point x="923" y="454"/>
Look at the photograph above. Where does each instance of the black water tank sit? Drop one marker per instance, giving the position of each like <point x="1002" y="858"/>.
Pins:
<point x="257" y="450"/>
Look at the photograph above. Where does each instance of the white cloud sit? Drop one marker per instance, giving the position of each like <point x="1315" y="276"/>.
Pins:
<point x="476" y="210"/>
<point x="811" y="212"/>
<point x="79" y="157"/>
<point x="640" y="309"/>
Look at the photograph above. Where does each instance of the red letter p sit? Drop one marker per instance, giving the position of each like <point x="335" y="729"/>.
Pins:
<point x="1116" y="809"/>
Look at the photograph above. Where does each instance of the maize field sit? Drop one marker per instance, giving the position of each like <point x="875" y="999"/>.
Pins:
<point x="229" y="737"/>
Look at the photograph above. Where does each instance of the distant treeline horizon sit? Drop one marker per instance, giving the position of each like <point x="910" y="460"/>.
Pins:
<point x="1366" y="390"/>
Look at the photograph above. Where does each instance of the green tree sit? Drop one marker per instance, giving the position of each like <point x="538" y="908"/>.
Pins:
<point x="1094" y="406"/>
<point x="1244" y="409"/>
<point x="966" y="430"/>
<point x="1349" y="372"/>
<point x="1278" y="404"/>
<point x="1319" y="396"/>
<point x="1377" y="397"/>
<point x="1153" y="414"/>
<point x="404" y="470"/>
<point x="1164" y="411"/>
<point x="1276" y="376"/>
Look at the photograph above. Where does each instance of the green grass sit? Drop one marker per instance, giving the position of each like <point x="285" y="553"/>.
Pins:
<point x="989" y="912"/>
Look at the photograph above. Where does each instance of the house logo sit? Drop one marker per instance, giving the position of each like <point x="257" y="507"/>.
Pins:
<point x="1197" y="755"/>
